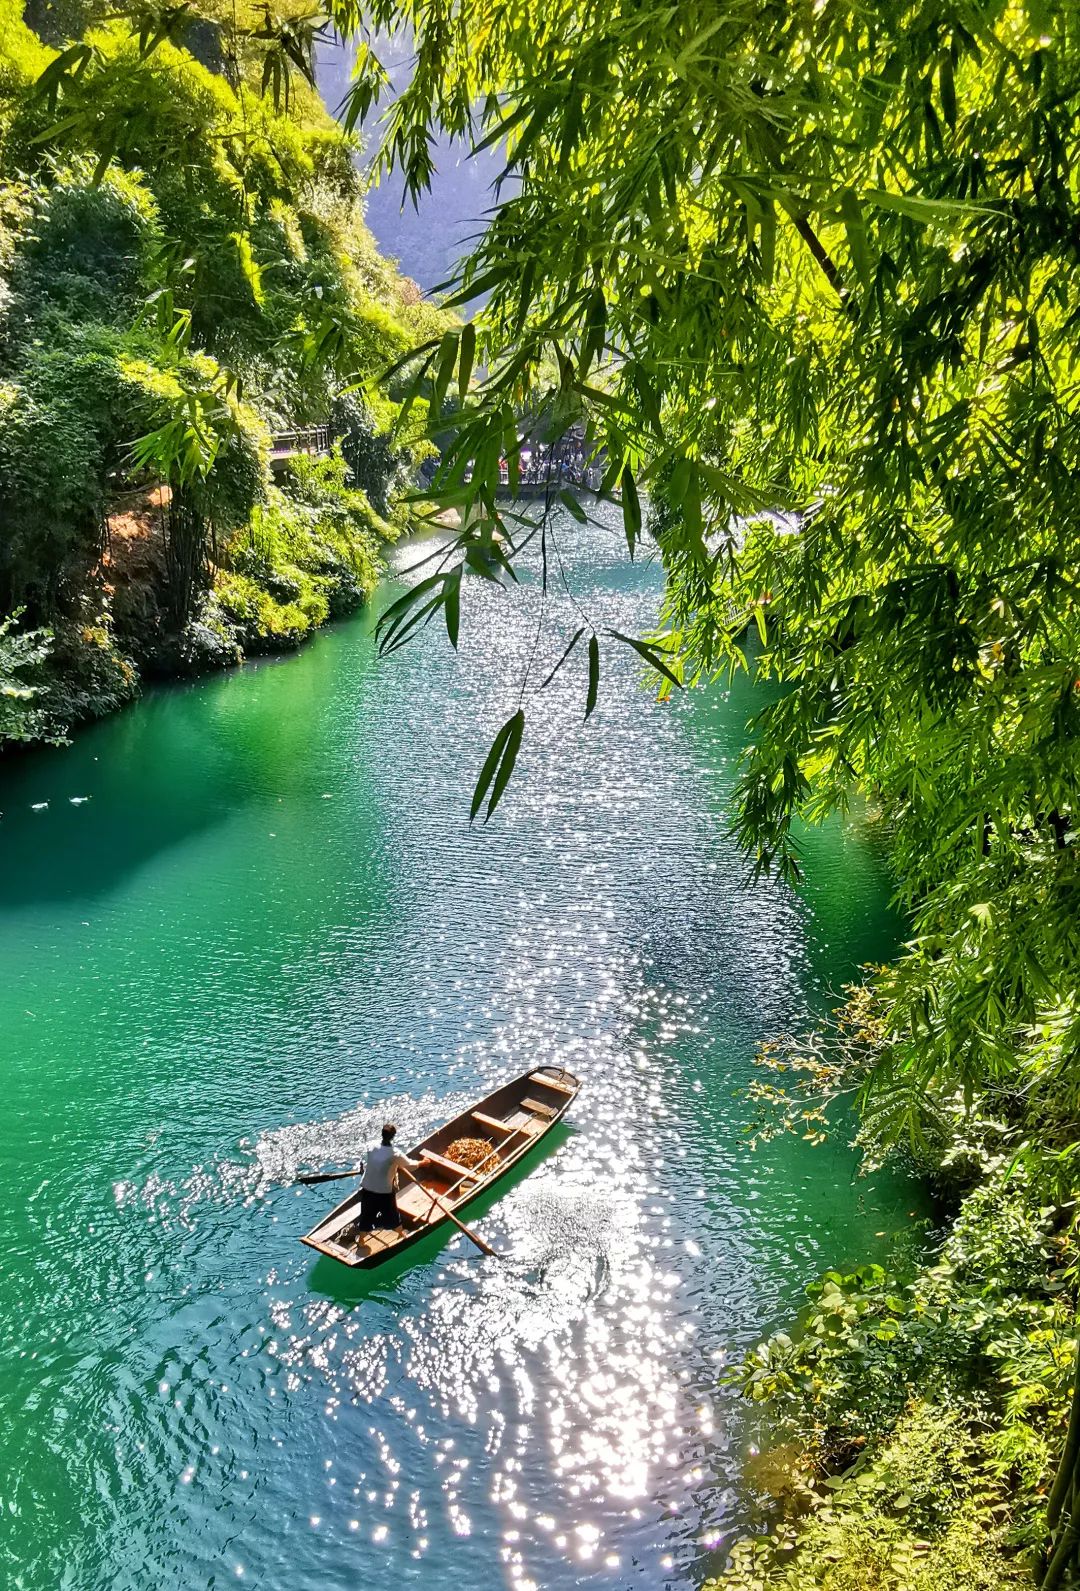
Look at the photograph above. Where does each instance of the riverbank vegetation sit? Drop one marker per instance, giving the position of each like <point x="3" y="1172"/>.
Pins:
<point x="146" y="361"/>
<point x="912" y="1419"/>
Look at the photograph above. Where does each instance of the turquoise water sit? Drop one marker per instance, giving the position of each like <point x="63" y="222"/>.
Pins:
<point x="253" y="920"/>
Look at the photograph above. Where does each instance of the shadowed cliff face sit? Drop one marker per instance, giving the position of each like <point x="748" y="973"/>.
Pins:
<point x="427" y="239"/>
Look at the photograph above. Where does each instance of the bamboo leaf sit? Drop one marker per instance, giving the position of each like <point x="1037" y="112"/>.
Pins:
<point x="391" y="619"/>
<point x="594" y="675"/>
<point x="467" y="357"/>
<point x="448" y="351"/>
<point x="595" y="332"/>
<point x="399" y="633"/>
<point x="947" y="88"/>
<point x="768" y="241"/>
<point x="650" y="654"/>
<point x="480" y="561"/>
<point x="509" y="759"/>
<point x="452" y="604"/>
<point x="405" y="631"/>
<point x="498" y="765"/>
<point x="631" y="509"/>
<point x="69" y="64"/>
<point x="647" y="395"/>
<point x="477" y="287"/>
<point x="487" y="772"/>
<point x="854" y="226"/>
<point x="501" y="128"/>
<point x="65" y="125"/>
<point x="927" y="210"/>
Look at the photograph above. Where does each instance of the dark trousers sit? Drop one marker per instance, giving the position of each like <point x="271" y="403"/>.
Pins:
<point x="377" y="1209"/>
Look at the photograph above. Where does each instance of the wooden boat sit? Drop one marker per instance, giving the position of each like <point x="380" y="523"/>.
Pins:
<point x="511" y="1120"/>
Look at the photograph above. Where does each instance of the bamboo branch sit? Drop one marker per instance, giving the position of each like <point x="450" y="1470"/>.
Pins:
<point x="829" y="267"/>
<point x="1071" y="1451"/>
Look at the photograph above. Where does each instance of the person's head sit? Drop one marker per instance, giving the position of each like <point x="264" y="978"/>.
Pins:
<point x="388" y="1132"/>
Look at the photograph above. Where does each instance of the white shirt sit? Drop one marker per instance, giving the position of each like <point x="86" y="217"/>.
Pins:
<point x="383" y="1165"/>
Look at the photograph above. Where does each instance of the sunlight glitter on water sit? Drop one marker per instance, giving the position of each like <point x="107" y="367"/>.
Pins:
<point x="572" y="1372"/>
<point x="236" y="979"/>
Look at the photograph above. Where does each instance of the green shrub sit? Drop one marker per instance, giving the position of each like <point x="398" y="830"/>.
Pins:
<point x="380" y="466"/>
<point x="22" y="655"/>
<point x="983" y="1336"/>
<point x="305" y="556"/>
<point x="59" y="440"/>
<point x="87" y="675"/>
<point x="260" y="618"/>
<point x="69" y="419"/>
<point x="926" y="1514"/>
<point x="83" y="253"/>
<point x="870" y="1341"/>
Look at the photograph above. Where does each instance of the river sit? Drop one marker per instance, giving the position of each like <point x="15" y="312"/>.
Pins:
<point x="252" y="921"/>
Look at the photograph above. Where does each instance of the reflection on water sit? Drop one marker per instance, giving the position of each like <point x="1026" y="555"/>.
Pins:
<point x="270" y="927"/>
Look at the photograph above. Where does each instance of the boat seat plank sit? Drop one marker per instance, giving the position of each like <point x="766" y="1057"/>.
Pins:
<point x="416" y="1205"/>
<point x="524" y="1123"/>
<point x="451" y="1165"/>
<point x="491" y="1121"/>
<point x="538" y="1108"/>
<point x="550" y="1082"/>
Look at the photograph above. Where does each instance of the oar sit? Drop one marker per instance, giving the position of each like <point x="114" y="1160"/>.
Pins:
<point x="330" y="1176"/>
<point x="484" y="1247"/>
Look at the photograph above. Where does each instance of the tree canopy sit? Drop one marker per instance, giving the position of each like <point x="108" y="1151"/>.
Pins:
<point x="817" y="258"/>
<point x="173" y="246"/>
<point x="821" y="258"/>
<point x="814" y="258"/>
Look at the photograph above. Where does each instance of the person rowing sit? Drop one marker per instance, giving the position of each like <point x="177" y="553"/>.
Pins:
<point x="378" y="1204"/>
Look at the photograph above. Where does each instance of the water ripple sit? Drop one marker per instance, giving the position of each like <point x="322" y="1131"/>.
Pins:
<point x="272" y="927"/>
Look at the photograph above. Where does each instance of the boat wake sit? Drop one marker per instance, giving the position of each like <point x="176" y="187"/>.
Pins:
<point x="277" y="1157"/>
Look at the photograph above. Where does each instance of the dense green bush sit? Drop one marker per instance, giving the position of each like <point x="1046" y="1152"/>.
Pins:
<point x="377" y="463"/>
<point x="60" y="440"/>
<point x="22" y="654"/>
<point x="68" y="421"/>
<point x="265" y="621"/>
<point x="304" y="557"/>
<point x="142" y="341"/>
<point x="87" y="674"/>
<point x="981" y="1339"/>
<point x="83" y="253"/>
<point x="927" y="1514"/>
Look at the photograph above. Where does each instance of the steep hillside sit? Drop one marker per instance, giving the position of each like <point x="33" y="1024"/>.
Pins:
<point x="148" y="359"/>
<point x="428" y="238"/>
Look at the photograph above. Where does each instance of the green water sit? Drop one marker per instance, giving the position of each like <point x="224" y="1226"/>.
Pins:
<point x="264" y="925"/>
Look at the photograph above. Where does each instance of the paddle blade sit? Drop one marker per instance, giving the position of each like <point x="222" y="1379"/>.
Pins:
<point x="480" y="1242"/>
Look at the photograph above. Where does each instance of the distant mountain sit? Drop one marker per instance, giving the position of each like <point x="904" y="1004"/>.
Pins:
<point x="427" y="241"/>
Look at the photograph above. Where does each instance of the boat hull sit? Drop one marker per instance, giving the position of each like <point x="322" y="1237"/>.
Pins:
<point x="512" y="1119"/>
